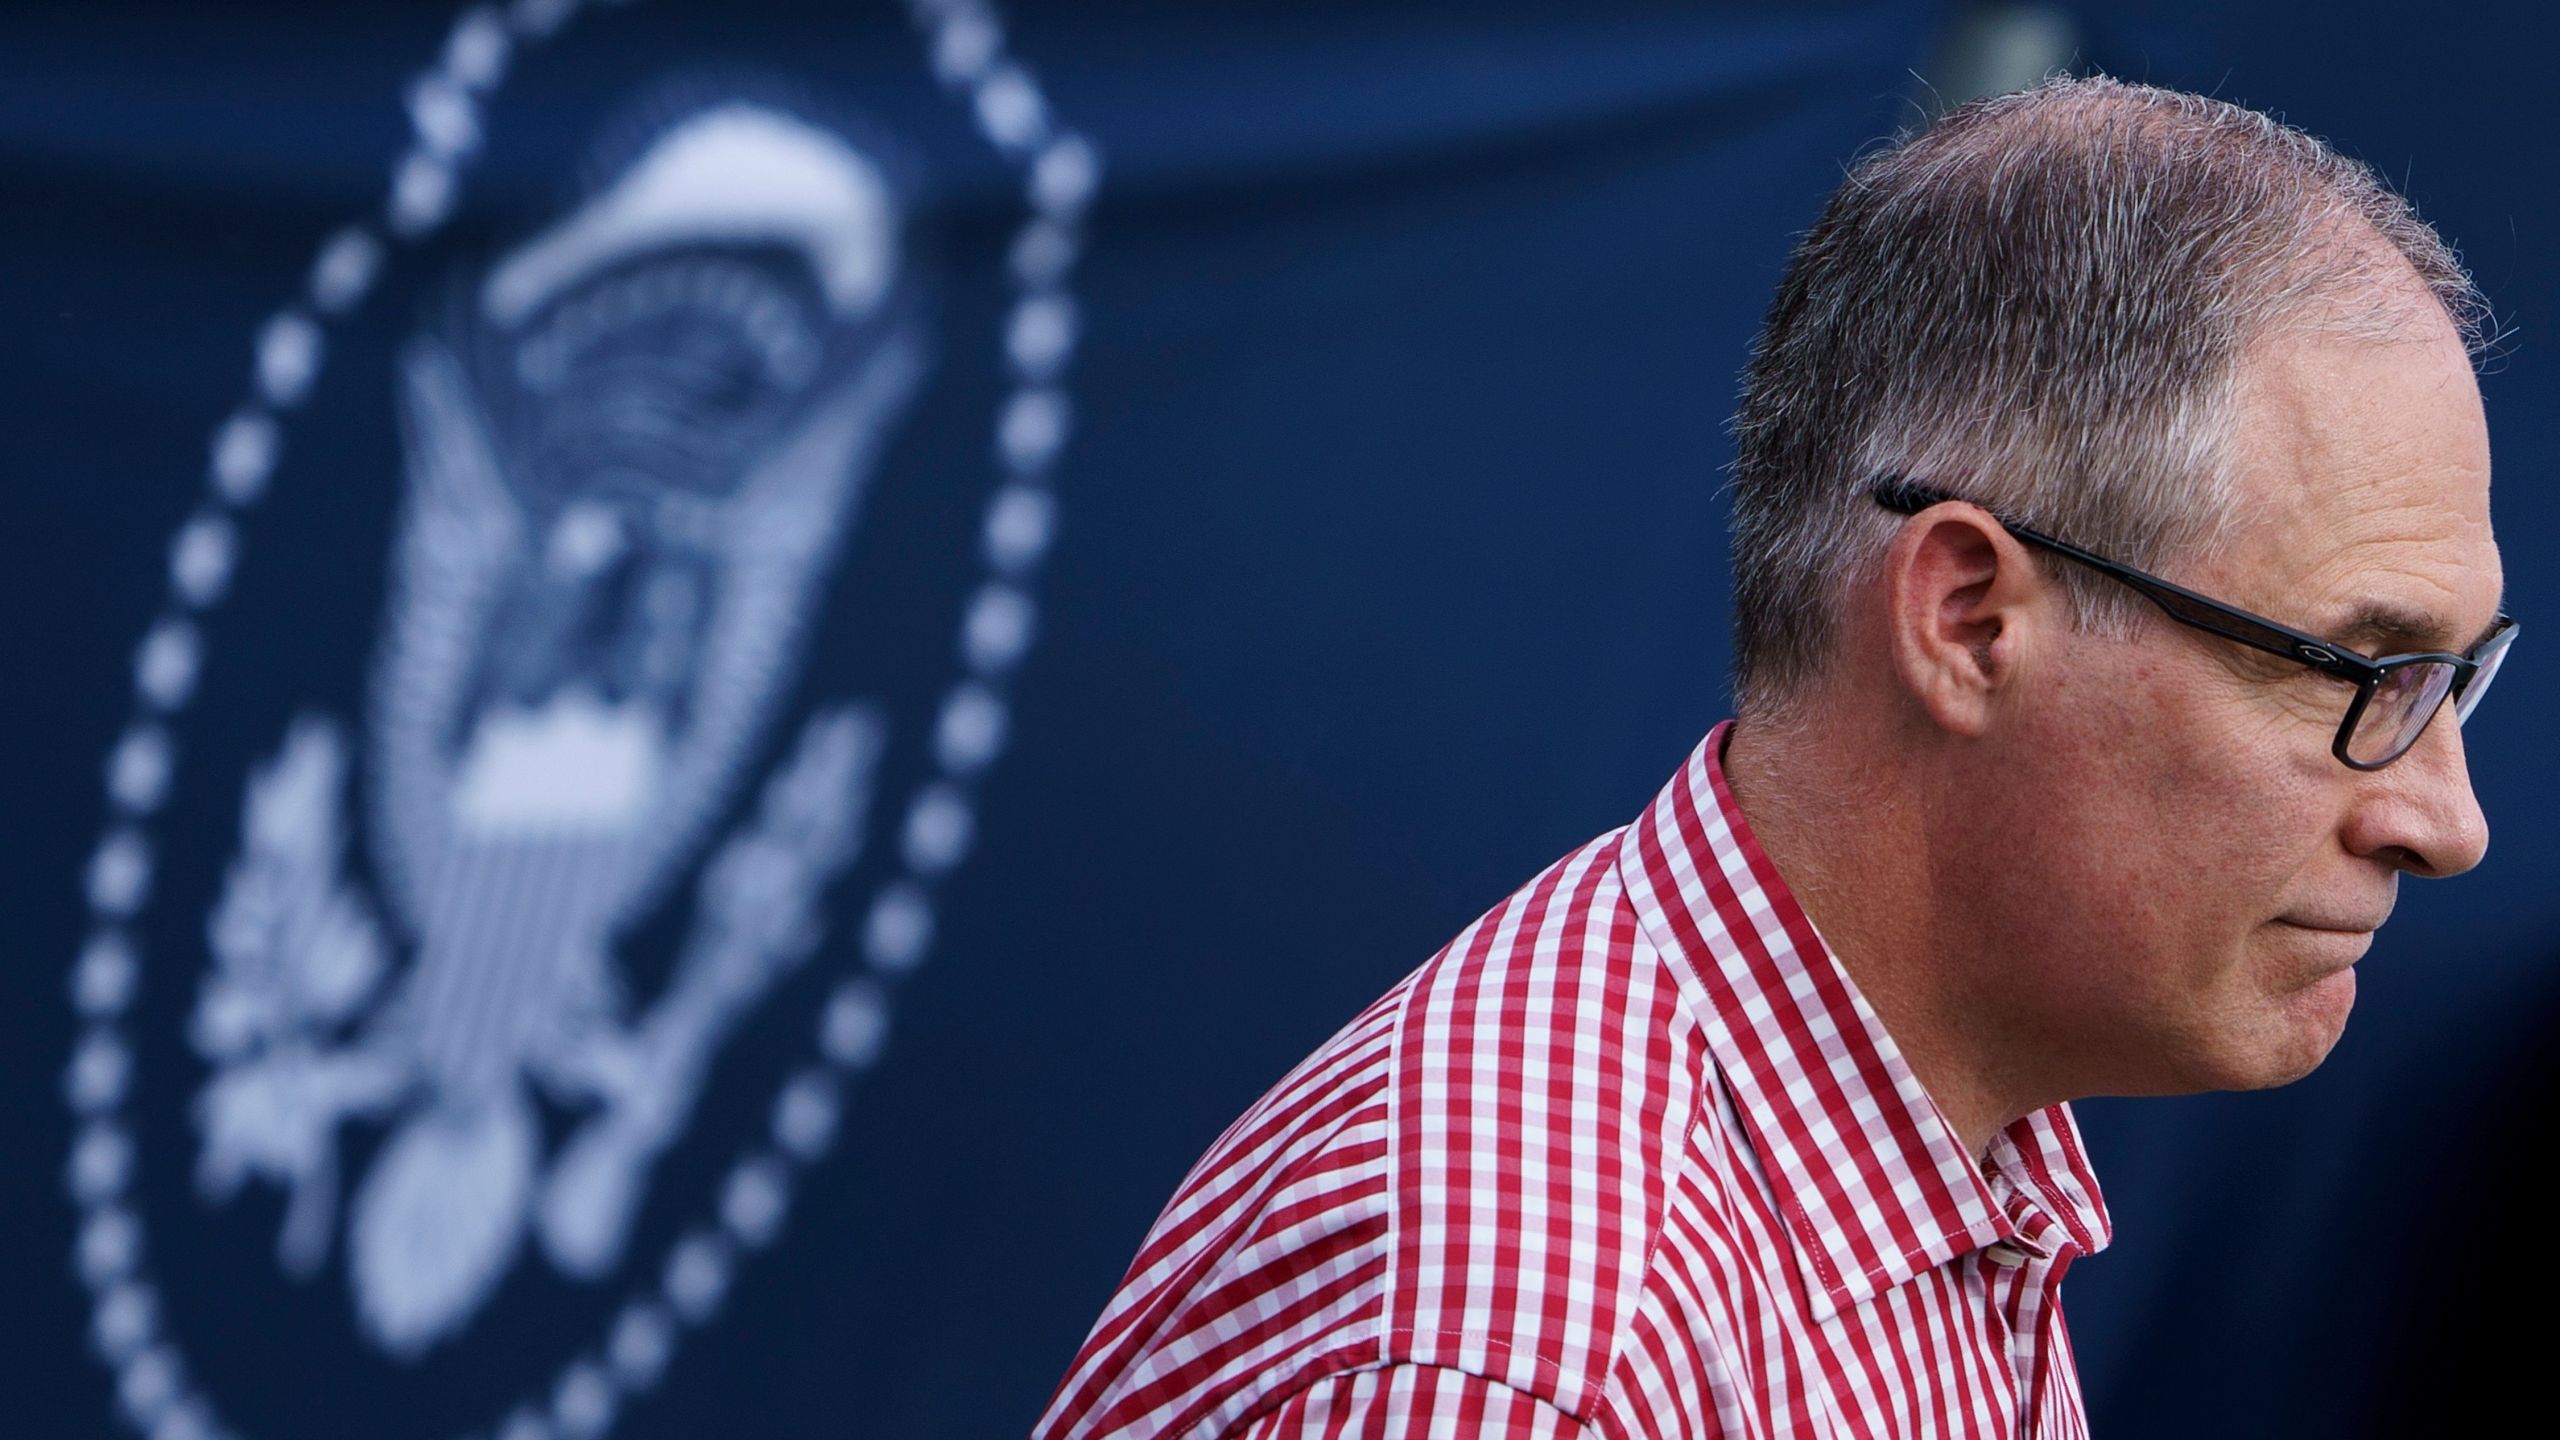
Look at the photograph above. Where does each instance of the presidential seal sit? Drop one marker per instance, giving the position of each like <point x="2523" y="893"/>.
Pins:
<point x="635" y="444"/>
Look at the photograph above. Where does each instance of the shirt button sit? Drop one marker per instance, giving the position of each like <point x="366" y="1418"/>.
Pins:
<point x="2007" y="1257"/>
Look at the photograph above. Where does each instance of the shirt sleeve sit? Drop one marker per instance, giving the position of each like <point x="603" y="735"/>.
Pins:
<point x="1416" y="1401"/>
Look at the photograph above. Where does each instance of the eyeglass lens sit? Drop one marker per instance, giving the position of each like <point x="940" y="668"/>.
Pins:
<point x="2469" y="699"/>
<point x="2408" y="696"/>
<point x="2401" y="707"/>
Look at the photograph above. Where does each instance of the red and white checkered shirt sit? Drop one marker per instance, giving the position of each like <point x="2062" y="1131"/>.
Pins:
<point x="1632" y="1156"/>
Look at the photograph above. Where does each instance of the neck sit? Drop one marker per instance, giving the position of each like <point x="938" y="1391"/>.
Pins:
<point x="1841" y="819"/>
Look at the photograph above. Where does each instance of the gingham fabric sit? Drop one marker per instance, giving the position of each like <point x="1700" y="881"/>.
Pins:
<point x="1631" y="1156"/>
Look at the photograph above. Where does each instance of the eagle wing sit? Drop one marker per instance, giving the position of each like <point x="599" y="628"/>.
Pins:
<point x="461" y="533"/>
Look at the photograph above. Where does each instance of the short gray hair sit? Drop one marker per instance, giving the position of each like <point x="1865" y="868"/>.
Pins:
<point x="2040" y="303"/>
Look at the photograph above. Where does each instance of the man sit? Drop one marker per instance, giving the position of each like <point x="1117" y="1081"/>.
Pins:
<point x="2111" y="521"/>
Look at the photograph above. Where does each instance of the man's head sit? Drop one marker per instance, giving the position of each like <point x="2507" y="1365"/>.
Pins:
<point x="2180" y="335"/>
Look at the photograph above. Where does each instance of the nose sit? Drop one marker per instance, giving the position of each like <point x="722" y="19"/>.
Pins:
<point x="2422" y="816"/>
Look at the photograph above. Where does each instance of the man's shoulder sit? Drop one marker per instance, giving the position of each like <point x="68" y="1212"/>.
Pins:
<point x="1551" y="1070"/>
<point x="1469" y="1176"/>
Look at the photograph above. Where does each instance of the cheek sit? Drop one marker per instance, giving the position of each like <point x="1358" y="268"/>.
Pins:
<point x="2256" y="801"/>
<point x="2175" y="816"/>
<point x="2147" y="826"/>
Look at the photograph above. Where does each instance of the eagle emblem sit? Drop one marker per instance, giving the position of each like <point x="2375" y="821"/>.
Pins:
<point x="634" y="447"/>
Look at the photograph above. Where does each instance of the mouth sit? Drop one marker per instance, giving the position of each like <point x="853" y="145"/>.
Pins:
<point x="2345" y="943"/>
<point x="2344" y="919"/>
<point x="2332" y="927"/>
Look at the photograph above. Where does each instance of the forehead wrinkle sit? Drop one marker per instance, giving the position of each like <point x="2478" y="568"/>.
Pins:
<point x="2408" y="591"/>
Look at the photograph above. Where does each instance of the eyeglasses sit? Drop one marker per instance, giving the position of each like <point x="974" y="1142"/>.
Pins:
<point x="2396" y="695"/>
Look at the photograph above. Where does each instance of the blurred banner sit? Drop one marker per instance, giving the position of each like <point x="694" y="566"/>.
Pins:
<point x="697" y="691"/>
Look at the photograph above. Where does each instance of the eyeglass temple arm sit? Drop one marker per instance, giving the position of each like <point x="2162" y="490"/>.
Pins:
<point x="1909" y="497"/>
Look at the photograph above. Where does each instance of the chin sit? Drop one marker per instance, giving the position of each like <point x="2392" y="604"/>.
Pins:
<point x="2300" y="1034"/>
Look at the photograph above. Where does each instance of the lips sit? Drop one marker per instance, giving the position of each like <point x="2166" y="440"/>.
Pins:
<point x="2335" y="947"/>
<point x="2347" y="917"/>
<point x="2336" y="927"/>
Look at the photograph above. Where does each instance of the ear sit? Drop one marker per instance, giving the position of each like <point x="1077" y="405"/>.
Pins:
<point x="1962" y="597"/>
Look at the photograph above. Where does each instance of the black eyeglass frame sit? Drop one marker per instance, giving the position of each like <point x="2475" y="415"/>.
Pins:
<point x="2203" y="612"/>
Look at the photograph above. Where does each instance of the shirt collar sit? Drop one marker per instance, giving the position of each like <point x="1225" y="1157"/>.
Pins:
<point x="1871" y="1179"/>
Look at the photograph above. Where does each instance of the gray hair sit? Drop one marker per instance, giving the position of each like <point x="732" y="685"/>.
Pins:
<point x="2040" y="303"/>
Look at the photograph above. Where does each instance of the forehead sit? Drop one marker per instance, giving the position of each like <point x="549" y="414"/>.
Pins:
<point x="2363" y="469"/>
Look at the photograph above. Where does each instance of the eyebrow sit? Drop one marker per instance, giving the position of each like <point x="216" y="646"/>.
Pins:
<point x="2379" y="627"/>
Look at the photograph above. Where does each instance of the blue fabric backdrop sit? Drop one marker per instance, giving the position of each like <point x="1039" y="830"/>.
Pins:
<point x="1386" y="565"/>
